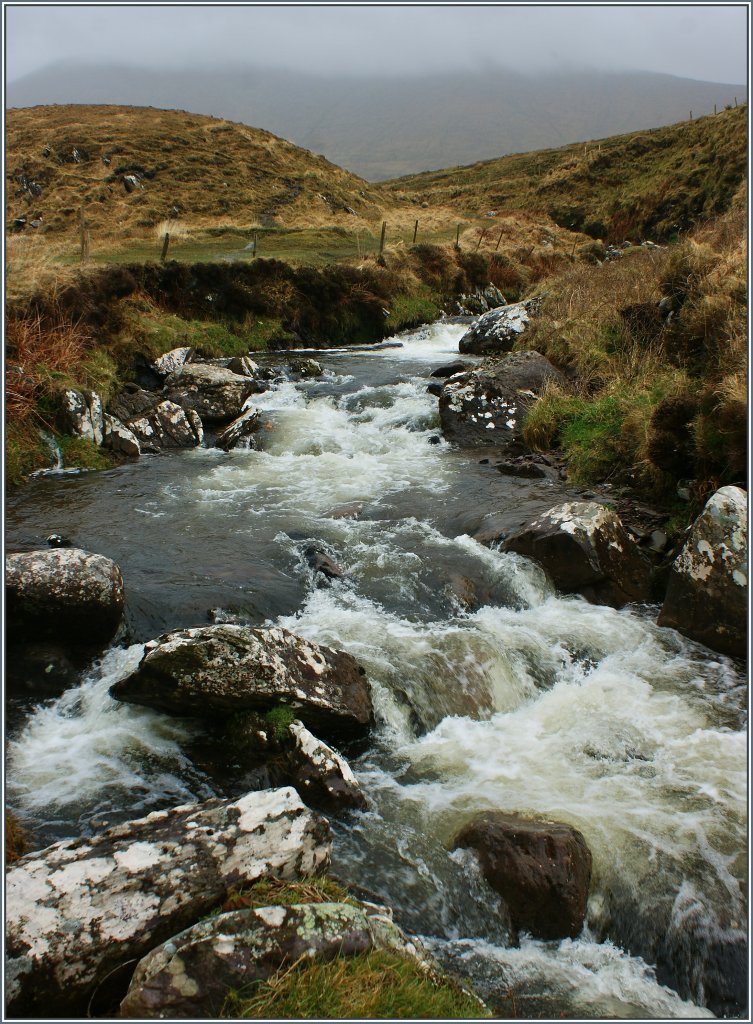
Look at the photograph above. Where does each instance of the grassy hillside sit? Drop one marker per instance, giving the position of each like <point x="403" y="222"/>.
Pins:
<point x="652" y="184"/>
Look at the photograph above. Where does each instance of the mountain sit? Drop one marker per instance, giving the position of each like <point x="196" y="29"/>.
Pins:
<point x="384" y="127"/>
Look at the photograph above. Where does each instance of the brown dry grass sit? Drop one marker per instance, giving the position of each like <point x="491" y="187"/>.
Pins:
<point x="16" y="839"/>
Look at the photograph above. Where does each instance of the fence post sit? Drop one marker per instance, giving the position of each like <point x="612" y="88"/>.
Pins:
<point x="480" y="240"/>
<point x="715" y="108"/>
<point x="381" y="240"/>
<point x="691" y="115"/>
<point x="256" y="243"/>
<point x="457" y="238"/>
<point x="415" y="232"/>
<point x="165" y="246"/>
<point x="84" y="238"/>
<point x="501" y="230"/>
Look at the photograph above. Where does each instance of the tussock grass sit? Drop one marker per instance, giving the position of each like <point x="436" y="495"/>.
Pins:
<point x="377" y="985"/>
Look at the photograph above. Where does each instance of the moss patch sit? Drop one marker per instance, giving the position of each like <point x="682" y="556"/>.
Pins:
<point x="81" y="453"/>
<point x="279" y="720"/>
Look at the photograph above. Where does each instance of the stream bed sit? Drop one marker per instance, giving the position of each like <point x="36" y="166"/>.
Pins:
<point x="513" y="699"/>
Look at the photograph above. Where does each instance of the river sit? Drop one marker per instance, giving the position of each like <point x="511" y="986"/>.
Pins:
<point x="524" y="701"/>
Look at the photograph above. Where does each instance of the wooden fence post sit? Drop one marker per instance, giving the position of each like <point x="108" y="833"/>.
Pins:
<point x="165" y="246"/>
<point x="715" y="108"/>
<point x="84" y="238"/>
<point x="256" y="243"/>
<point x="415" y="232"/>
<point x="457" y="238"/>
<point x="480" y="240"/>
<point x="501" y="230"/>
<point x="691" y="115"/>
<point x="381" y="240"/>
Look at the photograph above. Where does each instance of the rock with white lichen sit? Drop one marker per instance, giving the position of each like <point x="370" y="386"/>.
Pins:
<point x="488" y="406"/>
<point x="240" y="433"/>
<point x="167" y="425"/>
<point x="190" y="975"/>
<point x="321" y="775"/>
<point x="585" y="549"/>
<point x="214" y="392"/>
<point x="707" y="593"/>
<point x="81" y="908"/>
<point x="222" y="669"/>
<point x="82" y="415"/>
<point x="497" y="330"/>
<point x="172" y="361"/>
<point x="63" y="593"/>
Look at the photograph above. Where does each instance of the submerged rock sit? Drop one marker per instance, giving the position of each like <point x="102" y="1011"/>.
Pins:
<point x="497" y="330"/>
<point x="214" y="392"/>
<point x="217" y="670"/>
<point x="542" y="870"/>
<point x="190" y="975"/>
<point x="707" y="594"/>
<point x="585" y="549"/>
<point x="321" y="775"/>
<point x="324" y="567"/>
<point x="81" y="908"/>
<point x="67" y="593"/>
<point x="489" y="405"/>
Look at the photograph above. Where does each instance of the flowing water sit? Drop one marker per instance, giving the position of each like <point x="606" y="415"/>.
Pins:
<point x="519" y="699"/>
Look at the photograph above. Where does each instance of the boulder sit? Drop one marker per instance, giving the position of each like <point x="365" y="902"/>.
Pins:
<point x="81" y="908"/>
<point x="167" y="425"/>
<point x="244" y="366"/>
<point x="190" y="975"/>
<point x="321" y="775"/>
<point x="222" y="669"/>
<point x="488" y="406"/>
<point x="585" y="549"/>
<point x="172" y="361"/>
<point x="305" y="367"/>
<point x="119" y="439"/>
<point x="240" y="433"/>
<point x="542" y="870"/>
<point x="347" y="510"/>
<point x="83" y="415"/>
<point x="63" y="593"/>
<point x="324" y="567"/>
<point x="707" y="593"/>
<point x="497" y="330"/>
<point x="450" y="369"/>
<point x="214" y="392"/>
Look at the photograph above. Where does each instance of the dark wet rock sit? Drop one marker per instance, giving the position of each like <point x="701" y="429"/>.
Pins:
<point x="496" y="331"/>
<point x="81" y="908"/>
<point x="41" y="669"/>
<point x="83" y="415"/>
<point x="172" y="361"/>
<point x="132" y="183"/>
<point x="348" y="510"/>
<point x="119" y="439"/>
<point x="214" y="392"/>
<point x="244" y="366"/>
<point x="305" y="367"/>
<point x="56" y="540"/>
<point x="167" y="425"/>
<point x="462" y="591"/>
<point x="190" y="975"/>
<point x="529" y="467"/>
<point x="63" y="592"/>
<point x="132" y="403"/>
<point x="322" y="563"/>
<point x="434" y="387"/>
<point x="707" y="593"/>
<point x="585" y="549"/>
<point x="321" y="775"/>
<point x="482" y="300"/>
<point x="450" y="369"/>
<point x="240" y="433"/>
<point x="435" y="439"/>
<point x="488" y="406"/>
<point x="221" y="669"/>
<point x="542" y="870"/>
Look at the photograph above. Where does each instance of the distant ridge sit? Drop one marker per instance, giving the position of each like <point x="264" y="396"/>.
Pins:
<point x="386" y="127"/>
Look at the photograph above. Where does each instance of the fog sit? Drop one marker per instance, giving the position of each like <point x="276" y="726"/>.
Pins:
<point x="706" y="42"/>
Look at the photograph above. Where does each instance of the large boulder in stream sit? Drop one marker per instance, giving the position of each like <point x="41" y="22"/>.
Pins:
<point x="63" y="593"/>
<point x="541" y="869"/>
<point x="156" y="423"/>
<point x="488" y="406"/>
<point x="222" y="669"/>
<point x="497" y="330"/>
<point x="707" y="593"/>
<point x="81" y="909"/>
<point x="214" y="392"/>
<point x="190" y="975"/>
<point x="585" y="549"/>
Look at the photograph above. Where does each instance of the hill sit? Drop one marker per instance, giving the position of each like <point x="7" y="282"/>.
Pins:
<point x="131" y="168"/>
<point x="648" y="184"/>
<point x="398" y="123"/>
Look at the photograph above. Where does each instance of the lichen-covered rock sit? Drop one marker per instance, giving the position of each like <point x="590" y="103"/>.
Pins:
<point x="167" y="425"/>
<point x="172" y="361"/>
<point x="222" y="669"/>
<point x="82" y="907"/>
<point x="322" y="776"/>
<point x="489" y="405"/>
<point x="190" y="975"/>
<point x="497" y="330"/>
<point x="82" y="415"/>
<point x="585" y="549"/>
<point x="542" y="870"/>
<point x="244" y="366"/>
<point x="305" y="367"/>
<point x="119" y="439"/>
<point x="707" y="593"/>
<point x="64" y="593"/>
<point x="240" y="433"/>
<point x="214" y="392"/>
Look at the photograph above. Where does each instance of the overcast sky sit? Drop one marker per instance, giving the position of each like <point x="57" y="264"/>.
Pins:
<point x="695" y="41"/>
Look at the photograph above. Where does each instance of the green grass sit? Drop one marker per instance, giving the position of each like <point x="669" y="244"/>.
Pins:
<point x="81" y="453"/>
<point x="25" y="452"/>
<point x="279" y="720"/>
<point x="411" y="311"/>
<point x="377" y="985"/>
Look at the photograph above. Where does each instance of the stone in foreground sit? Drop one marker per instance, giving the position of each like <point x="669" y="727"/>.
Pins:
<point x="190" y="975"/>
<point x="81" y="908"/>
<point x="65" y="593"/>
<point x="585" y="549"/>
<point x="488" y="406"/>
<point x="222" y="669"/>
<point x="542" y="870"/>
<point x="707" y="594"/>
